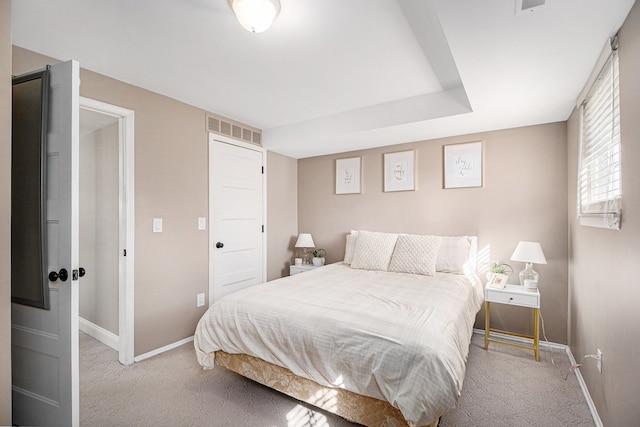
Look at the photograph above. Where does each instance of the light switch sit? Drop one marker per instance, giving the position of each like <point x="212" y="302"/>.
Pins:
<point x="157" y="225"/>
<point x="202" y="223"/>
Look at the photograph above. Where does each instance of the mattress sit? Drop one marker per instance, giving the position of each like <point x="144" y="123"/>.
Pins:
<point x="397" y="337"/>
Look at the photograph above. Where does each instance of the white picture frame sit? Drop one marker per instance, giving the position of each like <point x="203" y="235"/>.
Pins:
<point x="463" y="165"/>
<point x="498" y="280"/>
<point x="399" y="171"/>
<point x="348" y="175"/>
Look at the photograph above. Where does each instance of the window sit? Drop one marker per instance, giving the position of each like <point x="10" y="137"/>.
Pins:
<point x="599" y="175"/>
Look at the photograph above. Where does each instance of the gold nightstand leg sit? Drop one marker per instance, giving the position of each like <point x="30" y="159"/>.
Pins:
<point x="536" y="332"/>
<point x="486" y="325"/>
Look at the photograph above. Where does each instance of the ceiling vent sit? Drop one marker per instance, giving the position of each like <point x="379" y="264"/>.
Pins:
<point x="527" y="6"/>
<point x="236" y="130"/>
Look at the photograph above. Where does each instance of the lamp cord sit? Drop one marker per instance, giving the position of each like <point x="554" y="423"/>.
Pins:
<point x="572" y="367"/>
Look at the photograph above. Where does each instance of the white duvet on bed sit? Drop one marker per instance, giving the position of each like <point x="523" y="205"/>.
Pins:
<point x="398" y="337"/>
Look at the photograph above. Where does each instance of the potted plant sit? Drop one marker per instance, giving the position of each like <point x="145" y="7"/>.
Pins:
<point x="498" y="268"/>
<point x="318" y="257"/>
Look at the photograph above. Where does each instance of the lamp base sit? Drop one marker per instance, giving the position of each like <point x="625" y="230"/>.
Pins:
<point x="530" y="285"/>
<point x="529" y="278"/>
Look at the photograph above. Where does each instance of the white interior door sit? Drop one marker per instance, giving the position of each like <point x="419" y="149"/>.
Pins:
<point x="44" y="343"/>
<point x="237" y="222"/>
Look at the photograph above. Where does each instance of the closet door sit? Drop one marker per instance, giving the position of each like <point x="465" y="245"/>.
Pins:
<point x="236" y="192"/>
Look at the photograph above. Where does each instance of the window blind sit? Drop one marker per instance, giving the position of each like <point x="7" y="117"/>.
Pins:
<point x="599" y="180"/>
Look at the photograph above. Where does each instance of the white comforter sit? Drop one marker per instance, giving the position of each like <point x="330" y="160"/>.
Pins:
<point x="398" y="337"/>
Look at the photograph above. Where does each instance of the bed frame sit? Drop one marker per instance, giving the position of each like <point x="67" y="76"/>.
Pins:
<point x="351" y="406"/>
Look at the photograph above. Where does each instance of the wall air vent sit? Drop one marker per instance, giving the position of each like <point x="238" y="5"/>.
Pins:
<point x="528" y="6"/>
<point x="231" y="128"/>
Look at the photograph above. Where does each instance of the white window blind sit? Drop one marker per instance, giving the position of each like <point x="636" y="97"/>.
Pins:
<point x="599" y="179"/>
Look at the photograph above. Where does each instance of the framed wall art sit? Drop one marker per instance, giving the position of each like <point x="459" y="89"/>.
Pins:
<point x="463" y="165"/>
<point x="348" y="175"/>
<point x="399" y="171"/>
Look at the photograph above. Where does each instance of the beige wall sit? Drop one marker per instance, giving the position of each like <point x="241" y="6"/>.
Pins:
<point x="5" y="212"/>
<point x="282" y="213"/>
<point x="604" y="292"/>
<point x="170" y="182"/>
<point x="523" y="198"/>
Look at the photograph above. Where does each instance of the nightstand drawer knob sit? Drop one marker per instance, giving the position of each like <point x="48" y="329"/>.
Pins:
<point x="510" y="298"/>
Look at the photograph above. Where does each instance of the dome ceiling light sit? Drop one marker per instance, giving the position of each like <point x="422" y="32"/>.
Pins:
<point x="255" y="15"/>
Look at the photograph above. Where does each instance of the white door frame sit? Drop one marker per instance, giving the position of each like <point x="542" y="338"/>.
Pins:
<point x="126" y="221"/>
<point x="220" y="138"/>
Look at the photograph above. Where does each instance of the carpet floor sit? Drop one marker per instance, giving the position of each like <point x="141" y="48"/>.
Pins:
<point x="503" y="387"/>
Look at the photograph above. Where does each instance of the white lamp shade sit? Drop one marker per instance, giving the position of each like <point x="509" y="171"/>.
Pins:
<point x="255" y="15"/>
<point x="305" y="241"/>
<point x="529" y="252"/>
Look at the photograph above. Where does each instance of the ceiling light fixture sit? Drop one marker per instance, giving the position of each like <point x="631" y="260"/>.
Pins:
<point x="255" y="15"/>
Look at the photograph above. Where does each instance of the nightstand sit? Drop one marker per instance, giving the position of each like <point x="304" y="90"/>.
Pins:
<point x="512" y="295"/>
<point x="295" y="269"/>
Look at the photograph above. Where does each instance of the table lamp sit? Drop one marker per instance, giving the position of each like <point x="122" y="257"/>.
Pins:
<point x="305" y="241"/>
<point x="529" y="253"/>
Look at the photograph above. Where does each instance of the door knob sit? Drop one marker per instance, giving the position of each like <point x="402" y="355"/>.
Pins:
<point x="80" y="272"/>
<point x="63" y="275"/>
<point x="219" y="245"/>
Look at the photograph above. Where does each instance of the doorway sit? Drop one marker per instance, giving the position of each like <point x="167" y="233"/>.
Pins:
<point x="107" y="225"/>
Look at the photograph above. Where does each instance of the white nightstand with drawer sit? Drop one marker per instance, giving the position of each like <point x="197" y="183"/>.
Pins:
<point x="296" y="269"/>
<point x="512" y="295"/>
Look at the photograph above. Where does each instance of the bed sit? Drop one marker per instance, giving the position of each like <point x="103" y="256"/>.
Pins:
<point x="380" y="339"/>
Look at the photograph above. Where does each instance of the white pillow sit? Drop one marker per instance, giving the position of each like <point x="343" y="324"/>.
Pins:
<point x="350" y="247"/>
<point x="373" y="250"/>
<point x="453" y="254"/>
<point x="415" y="254"/>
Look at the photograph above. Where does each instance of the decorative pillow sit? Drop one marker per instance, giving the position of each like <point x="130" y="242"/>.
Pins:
<point x="350" y="247"/>
<point x="415" y="254"/>
<point x="453" y="254"/>
<point x="373" y="250"/>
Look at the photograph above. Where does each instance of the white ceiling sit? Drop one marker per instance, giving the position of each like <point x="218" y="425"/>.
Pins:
<point x="338" y="75"/>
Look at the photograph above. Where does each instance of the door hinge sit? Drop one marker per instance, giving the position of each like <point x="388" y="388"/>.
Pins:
<point x="125" y="252"/>
<point x="263" y="169"/>
<point x="263" y="228"/>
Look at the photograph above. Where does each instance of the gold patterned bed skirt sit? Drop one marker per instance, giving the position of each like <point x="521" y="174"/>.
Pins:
<point x="351" y="406"/>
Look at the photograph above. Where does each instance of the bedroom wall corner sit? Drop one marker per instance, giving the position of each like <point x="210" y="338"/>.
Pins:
<point x="523" y="198"/>
<point x="603" y="264"/>
<point x="282" y="213"/>
<point x="5" y="212"/>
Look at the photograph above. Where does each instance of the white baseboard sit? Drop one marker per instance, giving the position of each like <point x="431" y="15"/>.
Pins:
<point x="162" y="349"/>
<point x="99" y="333"/>
<point x="585" y="391"/>
<point x="520" y="340"/>
<point x="572" y="360"/>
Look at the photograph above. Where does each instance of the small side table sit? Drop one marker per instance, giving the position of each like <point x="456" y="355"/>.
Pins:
<point x="296" y="269"/>
<point x="512" y="295"/>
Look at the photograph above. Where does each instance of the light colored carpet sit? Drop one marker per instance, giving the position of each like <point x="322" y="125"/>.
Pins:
<point x="503" y="387"/>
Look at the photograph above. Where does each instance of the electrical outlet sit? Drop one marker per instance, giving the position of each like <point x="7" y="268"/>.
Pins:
<point x="599" y="363"/>
<point x="200" y="300"/>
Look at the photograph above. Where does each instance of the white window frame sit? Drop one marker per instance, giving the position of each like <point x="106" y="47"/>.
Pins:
<point x="599" y="189"/>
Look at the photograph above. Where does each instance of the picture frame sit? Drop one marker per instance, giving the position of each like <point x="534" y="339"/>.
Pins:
<point x="498" y="280"/>
<point x="348" y="175"/>
<point x="463" y="165"/>
<point x="399" y="171"/>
